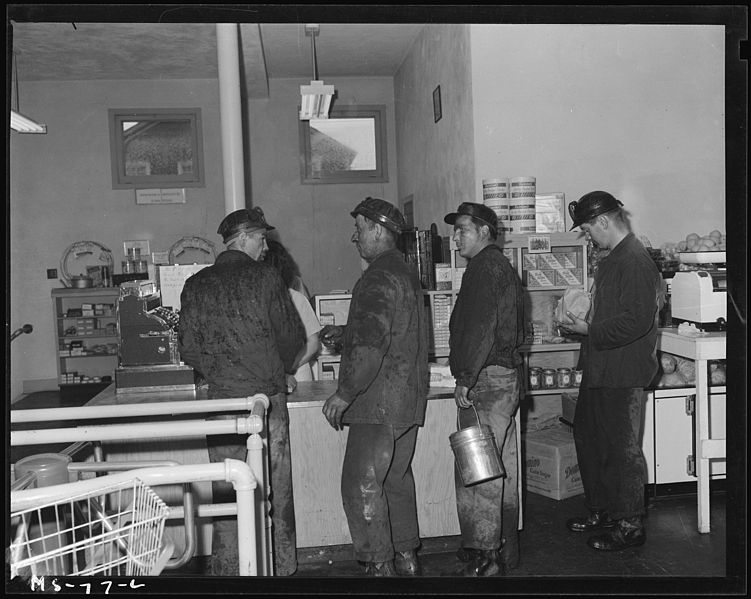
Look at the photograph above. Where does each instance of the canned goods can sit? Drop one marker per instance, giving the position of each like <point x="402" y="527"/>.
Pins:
<point x="564" y="377"/>
<point x="535" y="374"/>
<point x="548" y="378"/>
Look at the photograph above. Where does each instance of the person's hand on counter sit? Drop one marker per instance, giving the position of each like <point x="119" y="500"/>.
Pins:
<point x="291" y="383"/>
<point x="332" y="335"/>
<point x="334" y="409"/>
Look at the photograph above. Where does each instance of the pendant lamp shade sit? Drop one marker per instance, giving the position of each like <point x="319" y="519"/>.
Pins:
<point x="316" y="98"/>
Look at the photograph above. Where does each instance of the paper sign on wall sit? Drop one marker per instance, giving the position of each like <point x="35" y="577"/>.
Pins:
<point x="160" y="196"/>
<point x="172" y="279"/>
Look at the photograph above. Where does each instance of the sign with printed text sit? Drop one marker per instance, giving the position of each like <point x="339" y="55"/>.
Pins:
<point x="160" y="196"/>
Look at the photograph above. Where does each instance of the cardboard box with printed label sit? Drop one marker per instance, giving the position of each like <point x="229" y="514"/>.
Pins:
<point x="551" y="467"/>
<point x="538" y="278"/>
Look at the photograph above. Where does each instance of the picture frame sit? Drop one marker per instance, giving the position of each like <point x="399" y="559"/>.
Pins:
<point x="538" y="244"/>
<point x="153" y="148"/>
<point x="437" y="108"/>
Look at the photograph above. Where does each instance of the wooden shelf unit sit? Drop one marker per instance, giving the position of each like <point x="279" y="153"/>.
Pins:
<point x="91" y="330"/>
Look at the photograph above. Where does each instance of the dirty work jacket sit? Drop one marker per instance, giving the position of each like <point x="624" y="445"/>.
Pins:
<point x="384" y="368"/>
<point x="238" y="326"/>
<point x="621" y="348"/>
<point x="487" y="323"/>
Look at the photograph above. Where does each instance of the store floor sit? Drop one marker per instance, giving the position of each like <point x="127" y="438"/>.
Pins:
<point x="674" y="547"/>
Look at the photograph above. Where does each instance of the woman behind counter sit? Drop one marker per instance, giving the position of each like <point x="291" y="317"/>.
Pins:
<point x="278" y="256"/>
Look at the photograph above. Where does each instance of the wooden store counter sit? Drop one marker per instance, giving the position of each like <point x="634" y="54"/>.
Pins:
<point x="317" y="456"/>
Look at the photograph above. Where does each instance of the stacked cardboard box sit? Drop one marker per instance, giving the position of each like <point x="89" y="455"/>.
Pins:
<point x="551" y="466"/>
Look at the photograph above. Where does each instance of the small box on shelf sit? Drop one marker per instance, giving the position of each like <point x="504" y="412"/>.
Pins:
<point x="548" y="261"/>
<point x="570" y="277"/>
<point x="539" y="278"/>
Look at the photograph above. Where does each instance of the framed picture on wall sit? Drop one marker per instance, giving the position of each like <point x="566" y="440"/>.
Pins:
<point x="437" y="111"/>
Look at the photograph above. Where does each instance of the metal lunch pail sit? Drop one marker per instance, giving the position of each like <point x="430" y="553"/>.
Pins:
<point x="476" y="453"/>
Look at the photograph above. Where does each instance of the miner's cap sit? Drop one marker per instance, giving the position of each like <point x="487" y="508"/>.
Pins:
<point x="591" y="205"/>
<point x="382" y="212"/>
<point x="244" y="219"/>
<point x="478" y="211"/>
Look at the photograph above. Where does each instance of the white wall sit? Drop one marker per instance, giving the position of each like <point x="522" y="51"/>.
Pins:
<point x="61" y="192"/>
<point x="313" y="221"/>
<point x="636" y="110"/>
<point x="436" y="159"/>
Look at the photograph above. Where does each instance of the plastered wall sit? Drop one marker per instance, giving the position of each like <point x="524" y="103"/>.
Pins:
<point x="636" y="110"/>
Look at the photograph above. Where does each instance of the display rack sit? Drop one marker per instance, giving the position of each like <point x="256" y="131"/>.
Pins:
<point x="86" y="339"/>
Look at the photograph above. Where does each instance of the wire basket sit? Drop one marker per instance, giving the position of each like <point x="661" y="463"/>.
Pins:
<point x="113" y="531"/>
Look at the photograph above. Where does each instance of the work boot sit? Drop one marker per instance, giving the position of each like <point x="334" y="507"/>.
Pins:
<point x="484" y="563"/>
<point x="510" y="550"/>
<point x="596" y="520"/>
<point x="380" y="568"/>
<point x="407" y="564"/>
<point x="466" y="554"/>
<point x="630" y="532"/>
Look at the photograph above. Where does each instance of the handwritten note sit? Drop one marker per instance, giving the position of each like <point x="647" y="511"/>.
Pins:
<point x="172" y="279"/>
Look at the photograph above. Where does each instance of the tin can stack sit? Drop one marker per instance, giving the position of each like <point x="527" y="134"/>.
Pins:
<point x="522" y="215"/>
<point x="495" y="195"/>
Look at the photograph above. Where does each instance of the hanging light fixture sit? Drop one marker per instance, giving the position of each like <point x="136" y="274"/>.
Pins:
<point x="23" y="124"/>
<point x="316" y="97"/>
<point x="19" y="122"/>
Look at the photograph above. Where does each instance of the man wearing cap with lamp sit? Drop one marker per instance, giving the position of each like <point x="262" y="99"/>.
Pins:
<point x="381" y="395"/>
<point x="485" y="332"/>
<point x="619" y="355"/>
<point x="240" y="330"/>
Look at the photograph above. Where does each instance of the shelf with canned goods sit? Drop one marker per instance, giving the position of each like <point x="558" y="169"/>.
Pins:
<point x="86" y="338"/>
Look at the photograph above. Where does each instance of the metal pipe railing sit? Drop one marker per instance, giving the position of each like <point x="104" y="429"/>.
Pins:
<point x="160" y="408"/>
<point x="238" y="425"/>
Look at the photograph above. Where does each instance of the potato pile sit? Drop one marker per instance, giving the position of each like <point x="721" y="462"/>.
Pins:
<point x="714" y="241"/>
<point x="676" y="371"/>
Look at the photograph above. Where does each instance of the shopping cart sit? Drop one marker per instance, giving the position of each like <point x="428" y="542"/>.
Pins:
<point x="79" y="536"/>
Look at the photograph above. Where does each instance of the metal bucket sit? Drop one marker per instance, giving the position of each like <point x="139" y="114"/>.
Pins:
<point x="475" y="453"/>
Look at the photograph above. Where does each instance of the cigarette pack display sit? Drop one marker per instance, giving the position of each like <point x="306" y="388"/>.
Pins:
<point x="539" y="278"/>
<point x="529" y="261"/>
<point x="567" y="259"/>
<point x="568" y="276"/>
<point x="548" y="260"/>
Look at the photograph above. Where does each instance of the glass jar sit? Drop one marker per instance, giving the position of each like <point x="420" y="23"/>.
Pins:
<point x="564" y="377"/>
<point x="549" y="378"/>
<point x="535" y="378"/>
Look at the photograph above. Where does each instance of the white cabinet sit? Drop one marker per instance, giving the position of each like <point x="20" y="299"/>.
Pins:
<point x="672" y="435"/>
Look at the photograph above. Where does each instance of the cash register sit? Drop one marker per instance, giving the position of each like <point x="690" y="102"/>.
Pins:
<point x="148" y="357"/>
